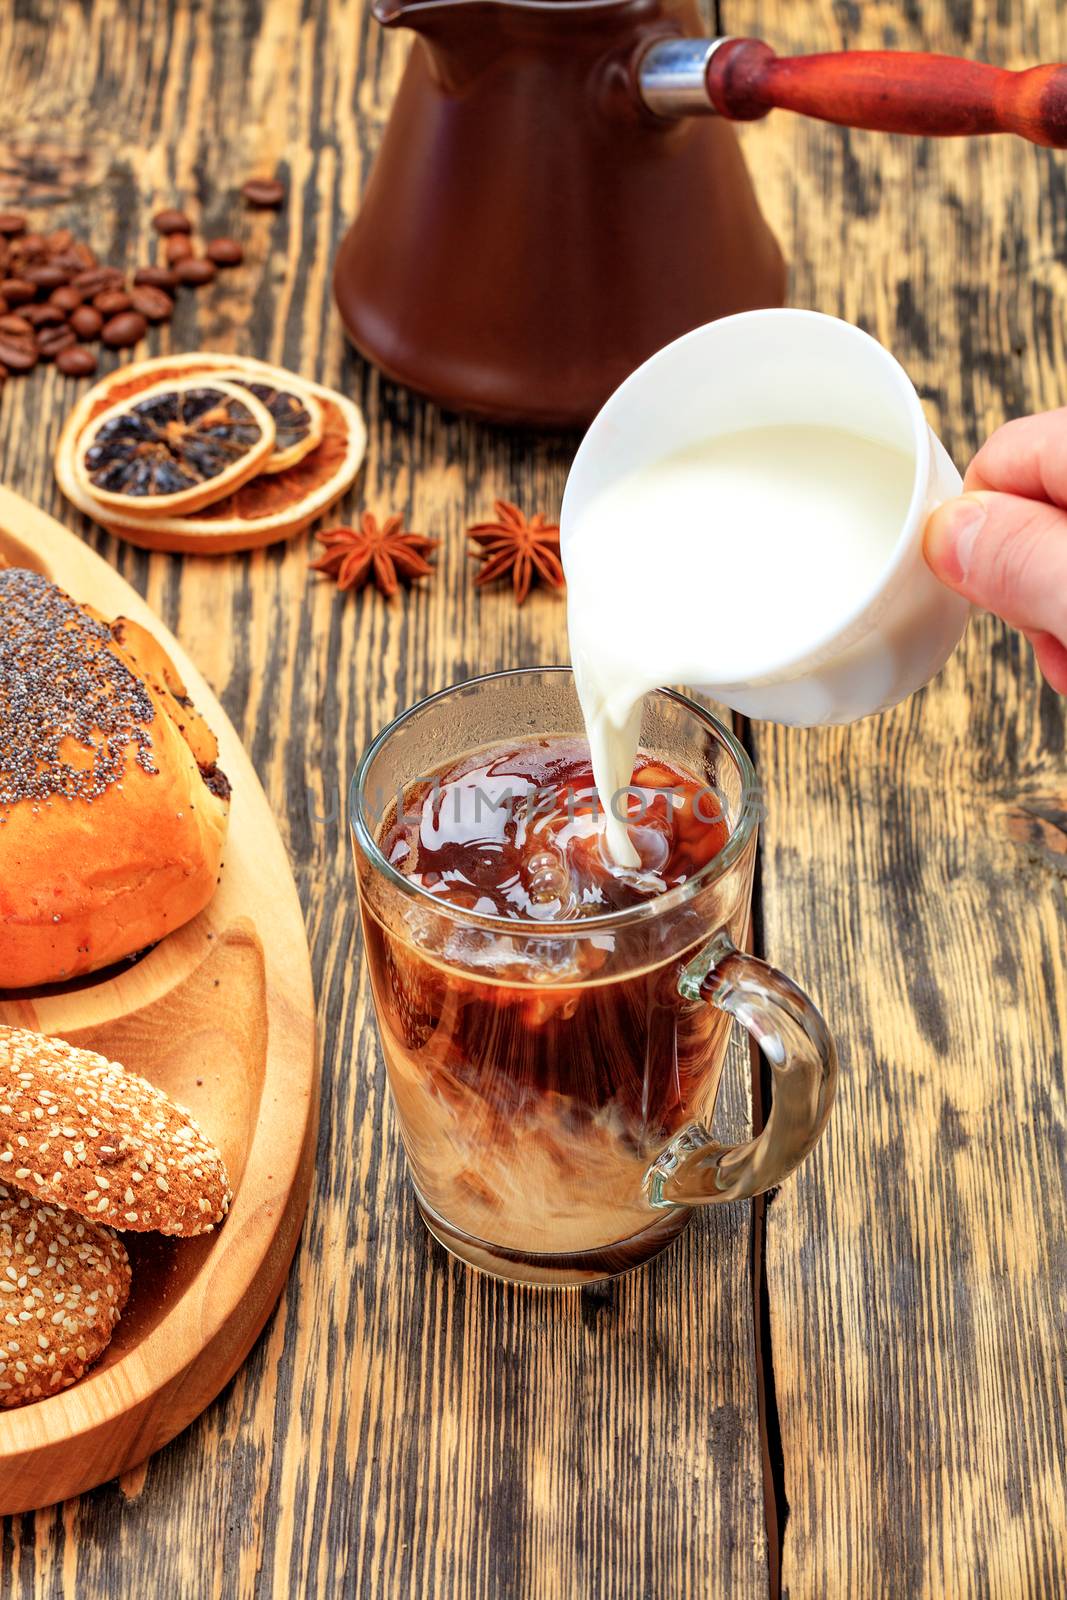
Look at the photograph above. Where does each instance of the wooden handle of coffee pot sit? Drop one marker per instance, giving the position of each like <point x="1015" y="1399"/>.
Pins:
<point x="893" y="91"/>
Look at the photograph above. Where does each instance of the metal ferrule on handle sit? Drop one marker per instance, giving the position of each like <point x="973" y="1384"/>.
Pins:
<point x="673" y="77"/>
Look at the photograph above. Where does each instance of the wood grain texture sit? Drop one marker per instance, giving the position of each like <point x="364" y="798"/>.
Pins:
<point x="219" y="1015"/>
<point x="403" y="1427"/>
<point x="913" y="870"/>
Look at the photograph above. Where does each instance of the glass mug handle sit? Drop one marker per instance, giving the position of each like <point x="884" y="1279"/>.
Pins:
<point x="694" y="1170"/>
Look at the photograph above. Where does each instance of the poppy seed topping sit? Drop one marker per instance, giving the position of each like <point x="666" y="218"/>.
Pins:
<point x="60" y="680"/>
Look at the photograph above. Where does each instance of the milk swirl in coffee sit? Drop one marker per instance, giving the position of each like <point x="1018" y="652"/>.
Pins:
<point x="539" y="1076"/>
<point x="707" y="566"/>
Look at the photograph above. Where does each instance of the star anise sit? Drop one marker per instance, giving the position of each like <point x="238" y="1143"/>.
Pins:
<point x="528" y="549"/>
<point x="388" y="553"/>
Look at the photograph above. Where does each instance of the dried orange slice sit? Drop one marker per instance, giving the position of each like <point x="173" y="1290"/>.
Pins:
<point x="272" y="506"/>
<point x="174" y="447"/>
<point x="298" y="421"/>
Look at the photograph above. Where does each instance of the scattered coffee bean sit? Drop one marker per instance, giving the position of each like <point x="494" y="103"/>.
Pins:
<point x="111" y="301"/>
<point x="78" y="258"/>
<point x="94" y="279"/>
<point x="122" y="331"/>
<point x="45" y="316"/>
<point x="54" y="292"/>
<point x="46" y="277"/>
<point x="195" y="271"/>
<point x="50" y="341"/>
<point x="177" y="247"/>
<point x="17" y="292"/>
<point x="171" y="222"/>
<point x="86" y="322"/>
<point x="157" y="277"/>
<point x="76" y="361"/>
<point x="67" y="298"/>
<point x="155" y="304"/>
<point x="264" y="192"/>
<point x="18" y="351"/>
<point x="3" y="375"/>
<point x="225" y="252"/>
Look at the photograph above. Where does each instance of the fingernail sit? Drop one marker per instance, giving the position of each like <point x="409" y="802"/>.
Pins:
<point x="950" y="536"/>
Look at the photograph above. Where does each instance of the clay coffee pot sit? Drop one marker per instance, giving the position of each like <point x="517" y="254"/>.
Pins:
<point x="559" y="191"/>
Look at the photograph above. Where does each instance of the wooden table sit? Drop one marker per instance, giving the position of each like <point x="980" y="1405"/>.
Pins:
<point x="405" y="1428"/>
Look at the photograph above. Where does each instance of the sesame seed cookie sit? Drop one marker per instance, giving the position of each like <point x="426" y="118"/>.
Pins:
<point x="77" y="1130"/>
<point x="63" y="1284"/>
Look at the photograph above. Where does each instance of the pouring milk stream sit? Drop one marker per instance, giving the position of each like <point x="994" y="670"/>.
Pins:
<point x="745" y="517"/>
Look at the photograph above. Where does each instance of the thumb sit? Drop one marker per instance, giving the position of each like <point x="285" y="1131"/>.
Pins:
<point x="1006" y="554"/>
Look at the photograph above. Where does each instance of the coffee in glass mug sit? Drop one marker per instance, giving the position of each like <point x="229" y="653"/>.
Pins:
<point x="554" y="1024"/>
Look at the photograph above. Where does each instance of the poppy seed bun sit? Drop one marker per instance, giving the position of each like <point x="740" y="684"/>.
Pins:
<point x="113" y="812"/>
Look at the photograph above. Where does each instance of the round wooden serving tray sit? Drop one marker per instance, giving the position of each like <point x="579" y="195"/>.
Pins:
<point x="221" y="1016"/>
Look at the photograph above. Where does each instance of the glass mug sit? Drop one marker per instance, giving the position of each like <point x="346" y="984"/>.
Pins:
<point x="557" y="1122"/>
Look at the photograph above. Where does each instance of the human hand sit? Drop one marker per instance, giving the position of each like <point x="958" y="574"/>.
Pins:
<point x="1003" y="543"/>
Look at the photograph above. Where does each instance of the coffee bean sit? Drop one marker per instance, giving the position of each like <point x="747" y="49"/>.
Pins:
<point x="58" y="240"/>
<point x="76" y="361"/>
<point x="45" y="316"/>
<point x="50" y="341"/>
<point x="120" y="332"/>
<point x="177" y="247"/>
<point x="46" y="277"/>
<point x="157" y="277"/>
<point x="86" y="322"/>
<point x="94" y="279"/>
<point x="225" y="252"/>
<point x="4" y="307"/>
<point x="16" y="291"/>
<point x="12" y="323"/>
<point x="111" y="301"/>
<point x="11" y="222"/>
<point x="264" y="192"/>
<point x="195" y="271"/>
<point x="18" y="352"/>
<point x="171" y="222"/>
<point x="155" y="304"/>
<point x="3" y="375"/>
<point x="31" y="244"/>
<point x="72" y="262"/>
<point x="67" y="299"/>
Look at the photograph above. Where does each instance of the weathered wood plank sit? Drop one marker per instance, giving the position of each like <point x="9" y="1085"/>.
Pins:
<point x="912" y="875"/>
<point x="403" y="1428"/>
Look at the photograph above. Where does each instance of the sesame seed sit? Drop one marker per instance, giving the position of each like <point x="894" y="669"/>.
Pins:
<point x="114" y="1129"/>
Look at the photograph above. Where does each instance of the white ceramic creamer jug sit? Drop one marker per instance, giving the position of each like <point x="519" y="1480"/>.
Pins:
<point x="824" y="644"/>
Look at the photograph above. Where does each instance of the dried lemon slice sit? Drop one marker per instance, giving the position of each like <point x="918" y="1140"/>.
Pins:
<point x="268" y="507"/>
<point x="174" y="448"/>
<point x="298" y="418"/>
